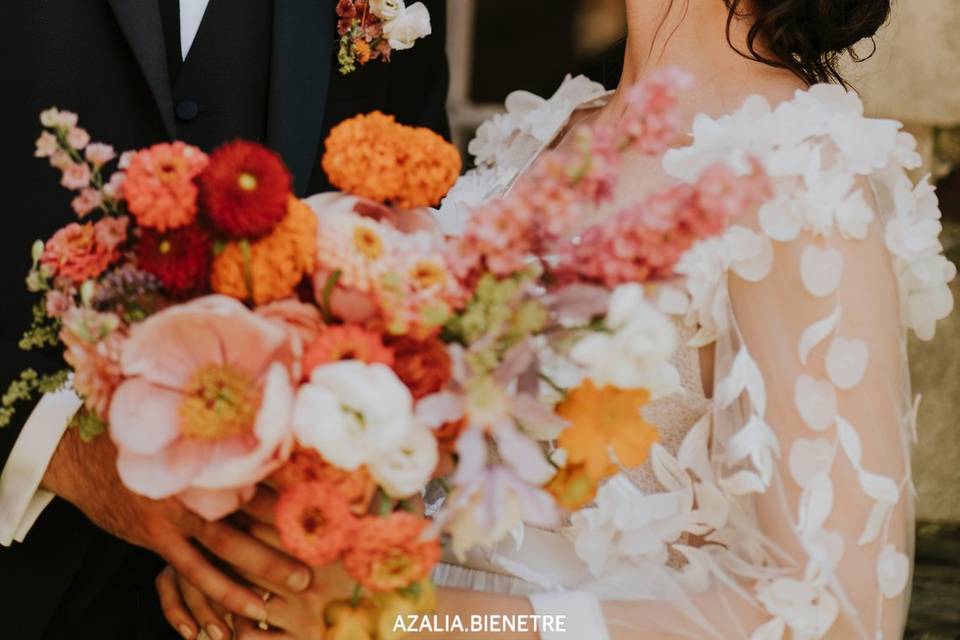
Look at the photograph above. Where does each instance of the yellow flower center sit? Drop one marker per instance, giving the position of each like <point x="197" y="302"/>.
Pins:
<point x="165" y="247"/>
<point x="171" y="170"/>
<point x="221" y="401"/>
<point x="247" y="181"/>
<point x="367" y="242"/>
<point x="427" y="274"/>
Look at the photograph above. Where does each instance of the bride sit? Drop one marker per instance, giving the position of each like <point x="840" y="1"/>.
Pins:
<point x="781" y="503"/>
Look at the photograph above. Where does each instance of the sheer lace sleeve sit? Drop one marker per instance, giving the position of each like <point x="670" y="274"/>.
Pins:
<point x="795" y="495"/>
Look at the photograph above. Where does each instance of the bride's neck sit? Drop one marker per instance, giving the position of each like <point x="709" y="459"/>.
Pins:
<point x="692" y="35"/>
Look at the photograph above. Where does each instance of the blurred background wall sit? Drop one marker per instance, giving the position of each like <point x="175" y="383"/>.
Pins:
<point x="497" y="46"/>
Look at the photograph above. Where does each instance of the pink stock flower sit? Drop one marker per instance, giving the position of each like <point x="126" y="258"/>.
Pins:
<point x="114" y="187"/>
<point x="112" y="232"/>
<point x="96" y="367"/>
<point x="57" y="303"/>
<point x="46" y="145"/>
<point x="99" y="154"/>
<point x="76" y="176"/>
<point x="645" y="241"/>
<point x="78" y="138"/>
<point x="88" y="200"/>
<point x="204" y="410"/>
<point x="75" y="253"/>
<point x="61" y="160"/>
<point x="652" y="120"/>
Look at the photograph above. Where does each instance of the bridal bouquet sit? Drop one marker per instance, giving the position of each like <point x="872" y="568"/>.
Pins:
<point x="341" y="349"/>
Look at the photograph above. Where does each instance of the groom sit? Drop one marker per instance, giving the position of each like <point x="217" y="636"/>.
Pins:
<point x="140" y="72"/>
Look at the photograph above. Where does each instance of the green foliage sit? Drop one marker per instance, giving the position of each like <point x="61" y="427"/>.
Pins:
<point x="26" y="387"/>
<point x="43" y="331"/>
<point x="89" y="425"/>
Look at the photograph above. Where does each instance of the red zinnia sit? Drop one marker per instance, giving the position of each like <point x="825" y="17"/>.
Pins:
<point x="346" y="342"/>
<point x="245" y="189"/>
<point x="315" y="522"/>
<point x="180" y="258"/>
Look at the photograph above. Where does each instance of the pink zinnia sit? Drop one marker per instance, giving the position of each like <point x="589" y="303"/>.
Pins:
<point x="203" y="413"/>
<point x="75" y="253"/>
<point x="160" y="189"/>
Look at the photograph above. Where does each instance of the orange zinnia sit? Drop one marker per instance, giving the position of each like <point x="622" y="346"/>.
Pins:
<point x="604" y="423"/>
<point x="272" y="266"/>
<point x="306" y="465"/>
<point x="388" y="553"/>
<point x="572" y="487"/>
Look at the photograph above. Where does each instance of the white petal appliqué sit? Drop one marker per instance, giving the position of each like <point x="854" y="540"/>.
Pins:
<point x="879" y="487"/>
<point x="772" y="630"/>
<point x="816" y="401"/>
<point x="893" y="571"/>
<point x="847" y="362"/>
<point x="850" y="441"/>
<point x="875" y="522"/>
<point x="816" y="333"/>
<point x="810" y="459"/>
<point x="821" y="270"/>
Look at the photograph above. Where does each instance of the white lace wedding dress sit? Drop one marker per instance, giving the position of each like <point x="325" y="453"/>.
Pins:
<point x="781" y="506"/>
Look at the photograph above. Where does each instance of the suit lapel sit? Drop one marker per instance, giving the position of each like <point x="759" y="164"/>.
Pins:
<point x="141" y="25"/>
<point x="303" y="38"/>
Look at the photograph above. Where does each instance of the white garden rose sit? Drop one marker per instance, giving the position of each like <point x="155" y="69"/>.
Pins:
<point x="405" y="471"/>
<point x="387" y="10"/>
<point x="353" y="413"/>
<point x="408" y="26"/>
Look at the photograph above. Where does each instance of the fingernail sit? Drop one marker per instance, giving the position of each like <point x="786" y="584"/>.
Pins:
<point x="299" y="580"/>
<point x="255" y="611"/>
<point x="214" y="632"/>
<point x="186" y="631"/>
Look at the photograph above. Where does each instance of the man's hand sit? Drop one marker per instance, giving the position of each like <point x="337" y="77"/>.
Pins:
<point x="85" y="475"/>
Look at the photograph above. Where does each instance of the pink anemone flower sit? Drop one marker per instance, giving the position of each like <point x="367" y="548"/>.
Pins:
<point x="204" y="411"/>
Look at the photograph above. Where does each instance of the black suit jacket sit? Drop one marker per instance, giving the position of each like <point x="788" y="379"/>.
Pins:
<point x="106" y="60"/>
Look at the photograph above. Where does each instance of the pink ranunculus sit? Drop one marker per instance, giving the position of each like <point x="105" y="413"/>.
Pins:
<point x="204" y="411"/>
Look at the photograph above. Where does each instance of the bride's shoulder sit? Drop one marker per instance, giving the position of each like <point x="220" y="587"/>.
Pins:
<point x="833" y="172"/>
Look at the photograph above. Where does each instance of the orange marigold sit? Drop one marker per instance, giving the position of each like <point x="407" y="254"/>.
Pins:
<point x="388" y="553"/>
<point x="374" y="157"/>
<point x="423" y="365"/>
<point x="306" y="465"/>
<point x="606" y="422"/>
<point x="159" y="188"/>
<point x="272" y="266"/>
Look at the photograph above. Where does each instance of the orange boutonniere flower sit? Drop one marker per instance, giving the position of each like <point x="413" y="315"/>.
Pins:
<point x="606" y="428"/>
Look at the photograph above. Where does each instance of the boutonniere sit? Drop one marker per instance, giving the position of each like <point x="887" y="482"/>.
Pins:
<point x="373" y="29"/>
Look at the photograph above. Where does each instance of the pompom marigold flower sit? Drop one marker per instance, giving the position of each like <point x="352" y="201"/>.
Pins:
<point x="179" y="259"/>
<point x="315" y="522"/>
<point x="572" y="487"/>
<point x="346" y="342"/>
<point x="76" y="253"/>
<point x="306" y="465"/>
<point x="159" y="188"/>
<point x="388" y="553"/>
<point x="374" y="157"/>
<point x="270" y="268"/>
<point x="244" y="190"/>
<point x="605" y="420"/>
<point x="423" y="365"/>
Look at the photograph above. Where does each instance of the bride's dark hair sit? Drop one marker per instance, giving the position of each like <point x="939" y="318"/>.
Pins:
<point x="808" y="37"/>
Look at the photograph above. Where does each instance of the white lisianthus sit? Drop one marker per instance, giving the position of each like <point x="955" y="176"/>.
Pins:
<point x="637" y="351"/>
<point x="405" y="470"/>
<point x="353" y="413"/>
<point x="387" y="10"/>
<point x="408" y="26"/>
